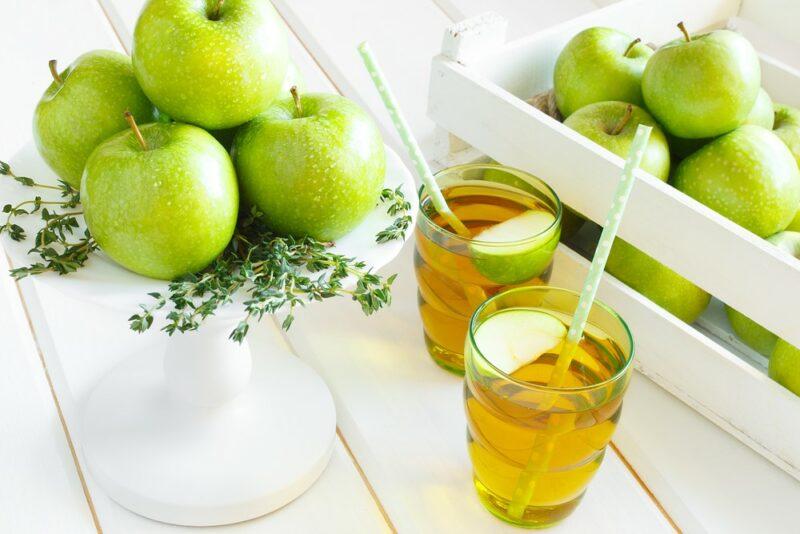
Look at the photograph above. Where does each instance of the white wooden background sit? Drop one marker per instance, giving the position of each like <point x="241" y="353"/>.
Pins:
<point x="400" y="463"/>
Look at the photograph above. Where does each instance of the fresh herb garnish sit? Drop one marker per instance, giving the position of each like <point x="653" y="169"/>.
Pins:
<point x="271" y="272"/>
<point x="58" y="243"/>
<point x="398" y="207"/>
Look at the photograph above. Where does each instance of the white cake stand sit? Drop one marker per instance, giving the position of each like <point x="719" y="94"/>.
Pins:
<point x="203" y="431"/>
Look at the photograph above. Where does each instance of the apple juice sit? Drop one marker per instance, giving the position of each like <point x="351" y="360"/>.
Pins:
<point x="542" y="444"/>
<point x="456" y="274"/>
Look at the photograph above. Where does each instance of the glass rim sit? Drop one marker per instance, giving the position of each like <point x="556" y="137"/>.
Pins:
<point x="551" y="389"/>
<point x="422" y="196"/>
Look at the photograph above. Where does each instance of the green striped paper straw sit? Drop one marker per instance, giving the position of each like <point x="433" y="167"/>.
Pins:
<point x="544" y="446"/>
<point x="598" y="265"/>
<point x="400" y="124"/>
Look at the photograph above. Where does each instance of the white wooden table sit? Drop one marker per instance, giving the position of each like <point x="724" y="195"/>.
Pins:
<point x="400" y="461"/>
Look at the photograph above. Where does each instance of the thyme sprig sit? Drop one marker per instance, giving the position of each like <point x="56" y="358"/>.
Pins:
<point x="55" y="242"/>
<point x="272" y="273"/>
<point x="398" y="207"/>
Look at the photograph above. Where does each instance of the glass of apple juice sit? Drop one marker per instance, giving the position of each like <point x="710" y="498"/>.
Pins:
<point x="515" y="223"/>
<point x="534" y="447"/>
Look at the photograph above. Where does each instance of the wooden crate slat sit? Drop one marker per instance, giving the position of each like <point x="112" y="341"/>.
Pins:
<point x="703" y="246"/>
<point x="707" y="479"/>
<point x="524" y="17"/>
<point x="733" y="394"/>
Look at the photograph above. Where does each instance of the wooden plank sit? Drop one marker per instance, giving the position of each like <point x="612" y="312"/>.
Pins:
<point x="768" y="42"/>
<point x="403" y="417"/>
<point x="708" y="480"/>
<point x="41" y="487"/>
<point x="313" y="23"/>
<point x="81" y="342"/>
<point x="404" y="40"/>
<point x="772" y="14"/>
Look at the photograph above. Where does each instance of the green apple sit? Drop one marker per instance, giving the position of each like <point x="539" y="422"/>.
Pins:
<point x="747" y="175"/>
<point x="761" y="114"/>
<point x="517" y="249"/>
<point x="680" y="148"/>
<point x="293" y="78"/>
<point x="787" y="128"/>
<point x="571" y="222"/>
<point x="784" y="366"/>
<point x="751" y="333"/>
<point x="656" y="281"/>
<point x="702" y="86"/>
<point x="794" y="226"/>
<point x="313" y="165"/>
<point x="597" y="65"/>
<point x="84" y="106"/>
<point x="225" y="137"/>
<point x="612" y="125"/>
<point x="162" y="203"/>
<point x="212" y="63"/>
<point x="513" y="338"/>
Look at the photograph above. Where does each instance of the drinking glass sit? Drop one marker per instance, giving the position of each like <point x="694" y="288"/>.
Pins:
<point x="456" y="274"/>
<point x="534" y="448"/>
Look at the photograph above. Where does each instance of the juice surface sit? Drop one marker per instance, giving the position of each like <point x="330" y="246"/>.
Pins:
<point x="453" y="279"/>
<point x="558" y="439"/>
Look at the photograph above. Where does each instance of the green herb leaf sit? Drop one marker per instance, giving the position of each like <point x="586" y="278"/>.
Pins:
<point x="265" y="271"/>
<point x="399" y="207"/>
<point x="53" y="244"/>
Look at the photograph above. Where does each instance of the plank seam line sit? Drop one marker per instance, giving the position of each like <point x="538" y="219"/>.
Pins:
<point x="446" y="13"/>
<point x="343" y="440"/>
<point x="366" y="481"/>
<point x="64" y="427"/>
<point x="645" y="487"/>
<point x="308" y="51"/>
<point x="113" y="28"/>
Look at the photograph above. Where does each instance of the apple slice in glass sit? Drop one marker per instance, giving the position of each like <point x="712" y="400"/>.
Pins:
<point x="512" y="339"/>
<point x="517" y="249"/>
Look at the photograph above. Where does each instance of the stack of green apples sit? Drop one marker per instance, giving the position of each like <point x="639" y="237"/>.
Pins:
<point x="717" y="137"/>
<point x="147" y="138"/>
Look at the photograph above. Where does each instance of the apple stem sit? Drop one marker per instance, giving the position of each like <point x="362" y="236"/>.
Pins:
<point x="135" y="128"/>
<point x="623" y="121"/>
<point x="297" y="104"/>
<point x="684" y="31"/>
<point x="217" y="8"/>
<point x="54" y="71"/>
<point x="630" y="46"/>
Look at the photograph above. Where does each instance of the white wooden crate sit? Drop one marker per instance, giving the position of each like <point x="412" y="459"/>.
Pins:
<point x="477" y="94"/>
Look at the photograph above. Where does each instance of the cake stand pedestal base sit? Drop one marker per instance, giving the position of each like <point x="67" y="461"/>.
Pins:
<point x="155" y="445"/>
